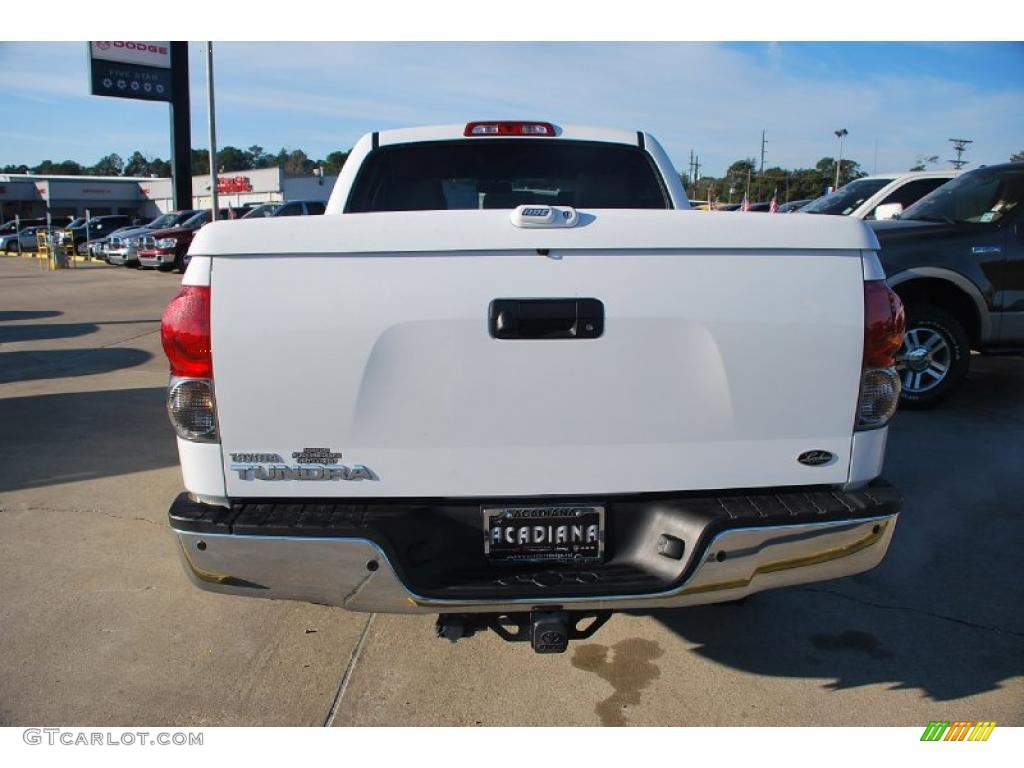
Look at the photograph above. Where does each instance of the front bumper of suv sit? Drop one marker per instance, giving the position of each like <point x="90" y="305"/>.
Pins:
<point x="403" y="557"/>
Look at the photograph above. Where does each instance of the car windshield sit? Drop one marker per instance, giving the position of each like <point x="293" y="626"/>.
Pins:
<point x="263" y="211"/>
<point x="506" y="173"/>
<point x="197" y="220"/>
<point x="166" y="220"/>
<point x="979" y="197"/>
<point x="76" y="223"/>
<point x="847" y="199"/>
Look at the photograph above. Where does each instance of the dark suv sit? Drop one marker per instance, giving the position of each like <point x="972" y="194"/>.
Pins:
<point x="81" y="232"/>
<point x="956" y="258"/>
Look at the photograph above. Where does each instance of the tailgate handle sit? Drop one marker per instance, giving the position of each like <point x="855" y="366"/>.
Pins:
<point x="546" y="318"/>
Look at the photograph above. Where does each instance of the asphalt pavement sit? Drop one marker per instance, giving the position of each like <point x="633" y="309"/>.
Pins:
<point x="99" y="626"/>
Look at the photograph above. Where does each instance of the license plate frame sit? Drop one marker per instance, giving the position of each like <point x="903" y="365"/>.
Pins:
<point x="545" y="545"/>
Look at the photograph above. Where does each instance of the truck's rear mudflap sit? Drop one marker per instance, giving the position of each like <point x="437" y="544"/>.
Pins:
<point x="660" y="550"/>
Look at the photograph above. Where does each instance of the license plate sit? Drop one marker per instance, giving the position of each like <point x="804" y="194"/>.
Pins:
<point x="561" y="534"/>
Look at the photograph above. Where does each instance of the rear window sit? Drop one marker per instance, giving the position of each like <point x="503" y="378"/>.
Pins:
<point x="506" y="173"/>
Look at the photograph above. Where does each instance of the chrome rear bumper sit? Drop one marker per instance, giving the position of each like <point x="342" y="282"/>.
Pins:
<point x="356" y="573"/>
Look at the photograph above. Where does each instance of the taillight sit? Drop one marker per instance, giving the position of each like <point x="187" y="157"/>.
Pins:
<point x="884" y="324"/>
<point x="508" y="128"/>
<point x="185" y="333"/>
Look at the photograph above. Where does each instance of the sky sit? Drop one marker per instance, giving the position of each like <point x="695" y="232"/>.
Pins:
<point x="898" y="101"/>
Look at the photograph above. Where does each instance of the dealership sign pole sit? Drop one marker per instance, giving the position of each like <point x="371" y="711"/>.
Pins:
<point x="150" y="71"/>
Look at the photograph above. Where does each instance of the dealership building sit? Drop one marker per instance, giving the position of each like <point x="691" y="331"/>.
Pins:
<point x="33" y="195"/>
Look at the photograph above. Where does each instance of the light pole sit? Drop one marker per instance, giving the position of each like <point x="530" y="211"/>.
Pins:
<point x="841" y="134"/>
<point x="213" y="131"/>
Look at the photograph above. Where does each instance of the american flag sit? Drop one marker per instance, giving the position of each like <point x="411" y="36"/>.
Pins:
<point x="773" y="206"/>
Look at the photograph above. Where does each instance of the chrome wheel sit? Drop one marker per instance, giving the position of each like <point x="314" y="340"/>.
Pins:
<point x="924" y="360"/>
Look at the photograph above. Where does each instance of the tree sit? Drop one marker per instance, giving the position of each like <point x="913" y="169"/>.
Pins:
<point x="14" y="169"/>
<point x="298" y="164"/>
<point x="200" y="161"/>
<point x="1017" y="156"/>
<point x="158" y="167"/>
<point x="137" y="165"/>
<point x="109" y="165"/>
<point x="334" y="162"/>
<point x="258" y="158"/>
<point x="63" y="168"/>
<point x="847" y="173"/>
<point x="233" y="159"/>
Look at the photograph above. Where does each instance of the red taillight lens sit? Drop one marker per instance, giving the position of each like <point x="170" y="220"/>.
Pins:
<point x="185" y="333"/>
<point x="508" y="128"/>
<point x="884" y="324"/>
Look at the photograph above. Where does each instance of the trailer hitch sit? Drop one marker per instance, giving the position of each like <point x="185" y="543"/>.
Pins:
<point x="547" y="631"/>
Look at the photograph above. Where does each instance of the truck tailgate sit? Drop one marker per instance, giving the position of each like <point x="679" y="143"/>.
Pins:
<point x="723" y="357"/>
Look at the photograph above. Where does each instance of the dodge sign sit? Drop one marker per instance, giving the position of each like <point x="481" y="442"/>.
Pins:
<point x="131" y="69"/>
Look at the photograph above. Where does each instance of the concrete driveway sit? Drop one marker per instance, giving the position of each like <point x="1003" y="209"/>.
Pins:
<point x="99" y="626"/>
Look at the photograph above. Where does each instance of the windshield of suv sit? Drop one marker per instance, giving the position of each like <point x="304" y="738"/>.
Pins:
<point x="847" y="199"/>
<point x="978" y="197"/>
<point x="505" y="173"/>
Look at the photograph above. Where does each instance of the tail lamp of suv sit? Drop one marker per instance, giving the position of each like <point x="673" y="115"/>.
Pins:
<point x="884" y="324"/>
<point x="185" y="333"/>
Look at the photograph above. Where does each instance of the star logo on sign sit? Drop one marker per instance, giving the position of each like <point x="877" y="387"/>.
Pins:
<point x="147" y="87"/>
<point x="159" y="89"/>
<point x="108" y="83"/>
<point x="135" y="85"/>
<point x="121" y="84"/>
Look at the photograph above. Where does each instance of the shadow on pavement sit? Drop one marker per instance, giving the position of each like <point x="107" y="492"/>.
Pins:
<point x="13" y="333"/>
<point x="59" y="363"/>
<point x="814" y="632"/>
<point x="27" y="314"/>
<point x="942" y="612"/>
<point x="63" y="438"/>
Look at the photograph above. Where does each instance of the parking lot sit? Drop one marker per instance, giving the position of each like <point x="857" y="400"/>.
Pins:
<point x="98" y="624"/>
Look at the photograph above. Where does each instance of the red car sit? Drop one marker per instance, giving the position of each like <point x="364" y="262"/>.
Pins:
<point x="167" y="249"/>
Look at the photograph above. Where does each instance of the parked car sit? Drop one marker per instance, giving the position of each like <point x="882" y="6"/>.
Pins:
<point x="82" y="231"/>
<point x="123" y="247"/>
<point x="167" y="249"/>
<point x="466" y="365"/>
<point x="879" y="197"/>
<point x="12" y="226"/>
<point x="792" y="205"/>
<point x="27" y="237"/>
<point x="956" y="259"/>
<point x="290" y="208"/>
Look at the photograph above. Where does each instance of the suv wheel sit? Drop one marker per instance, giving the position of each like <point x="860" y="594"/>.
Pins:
<point x="934" y="358"/>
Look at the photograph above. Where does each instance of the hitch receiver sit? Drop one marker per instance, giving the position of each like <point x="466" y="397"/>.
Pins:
<point x="547" y="631"/>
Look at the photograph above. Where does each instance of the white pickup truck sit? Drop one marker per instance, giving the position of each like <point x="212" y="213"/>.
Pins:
<point x="510" y="379"/>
